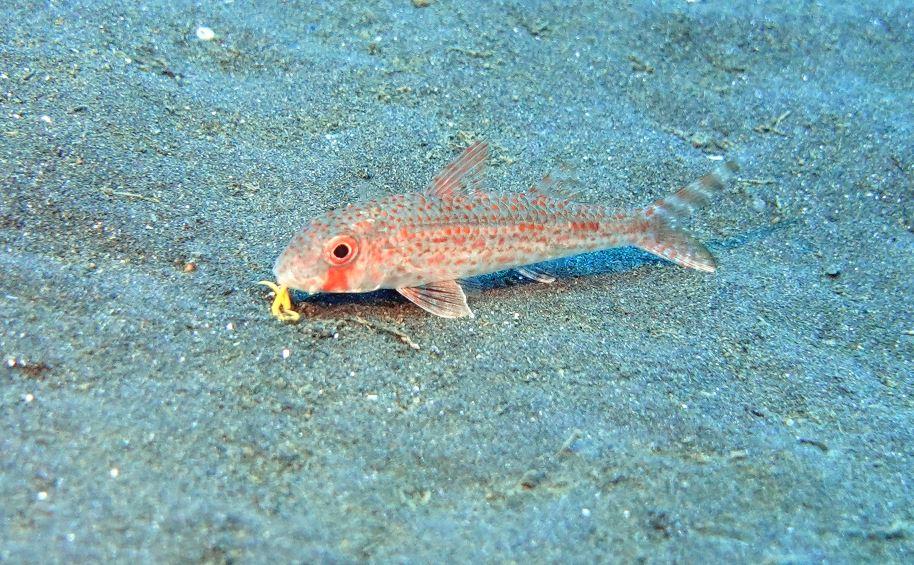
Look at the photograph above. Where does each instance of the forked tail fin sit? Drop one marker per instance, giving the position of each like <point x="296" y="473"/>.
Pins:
<point x="660" y="234"/>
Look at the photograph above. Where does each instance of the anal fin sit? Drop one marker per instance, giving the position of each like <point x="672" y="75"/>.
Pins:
<point x="444" y="298"/>
<point x="535" y="274"/>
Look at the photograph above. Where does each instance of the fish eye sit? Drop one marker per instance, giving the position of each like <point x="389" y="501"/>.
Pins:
<point x="341" y="250"/>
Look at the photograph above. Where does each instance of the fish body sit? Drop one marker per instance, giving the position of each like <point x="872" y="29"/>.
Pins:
<point x="422" y="244"/>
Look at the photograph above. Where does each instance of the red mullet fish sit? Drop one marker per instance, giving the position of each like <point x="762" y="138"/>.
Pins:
<point x="423" y="243"/>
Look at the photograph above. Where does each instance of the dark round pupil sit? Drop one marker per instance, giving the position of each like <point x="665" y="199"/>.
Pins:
<point x="341" y="251"/>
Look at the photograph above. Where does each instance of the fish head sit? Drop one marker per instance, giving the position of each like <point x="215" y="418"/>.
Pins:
<point x="329" y="254"/>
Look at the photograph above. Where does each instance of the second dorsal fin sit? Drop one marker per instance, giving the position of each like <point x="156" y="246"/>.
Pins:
<point x="560" y="185"/>
<point x="464" y="175"/>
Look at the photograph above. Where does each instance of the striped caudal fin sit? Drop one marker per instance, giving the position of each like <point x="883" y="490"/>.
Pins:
<point x="690" y="198"/>
<point x="660" y="235"/>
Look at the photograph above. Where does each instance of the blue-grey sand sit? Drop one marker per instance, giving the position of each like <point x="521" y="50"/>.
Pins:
<point x="157" y="156"/>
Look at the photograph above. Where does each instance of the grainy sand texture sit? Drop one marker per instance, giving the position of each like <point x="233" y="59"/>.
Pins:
<point x="155" y="157"/>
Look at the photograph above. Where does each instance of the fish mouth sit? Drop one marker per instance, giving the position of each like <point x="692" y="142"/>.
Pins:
<point x="310" y="285"/>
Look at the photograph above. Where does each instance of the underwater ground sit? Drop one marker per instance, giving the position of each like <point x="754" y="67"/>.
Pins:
<point x="151" y="409"/>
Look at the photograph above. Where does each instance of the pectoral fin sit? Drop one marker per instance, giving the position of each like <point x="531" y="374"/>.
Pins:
<point x="445" y="299"/>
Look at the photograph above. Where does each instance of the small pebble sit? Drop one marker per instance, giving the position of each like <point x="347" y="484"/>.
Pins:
<point x="585" y="512"/>
<point x="42" y="495"/>
<point x="286" y="353"/>
<point x="205" y="34"/>
<point x="114" y="472"/>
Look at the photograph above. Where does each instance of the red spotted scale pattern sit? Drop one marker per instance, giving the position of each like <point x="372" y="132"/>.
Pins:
<point x="422" y="243"/>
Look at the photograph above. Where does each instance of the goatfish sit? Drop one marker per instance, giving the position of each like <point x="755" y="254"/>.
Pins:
<point x="424" y="243"/>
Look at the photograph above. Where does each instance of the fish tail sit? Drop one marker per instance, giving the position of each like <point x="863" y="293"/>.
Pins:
<point x="658" y="233"/>
<point x="675" y="245"/>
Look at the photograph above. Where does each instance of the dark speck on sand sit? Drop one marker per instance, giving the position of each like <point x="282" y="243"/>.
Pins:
<point x="157" y="156"/>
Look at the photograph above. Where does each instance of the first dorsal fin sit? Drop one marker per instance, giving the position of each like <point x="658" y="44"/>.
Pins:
<point x="464" y="175"/>
<point x="444" y="298"/>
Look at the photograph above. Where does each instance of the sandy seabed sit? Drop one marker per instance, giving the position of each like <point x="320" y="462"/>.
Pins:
<point x="152" y="411"/>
